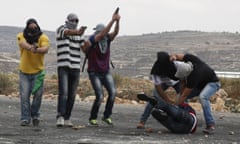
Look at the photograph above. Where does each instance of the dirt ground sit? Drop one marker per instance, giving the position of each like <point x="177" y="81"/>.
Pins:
<point x="125" y="118"/>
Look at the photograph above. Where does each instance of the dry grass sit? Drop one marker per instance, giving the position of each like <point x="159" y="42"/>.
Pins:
<point x="8" y="83"/>
<point x="127" y="88"/>
<point x="232" y="87"/>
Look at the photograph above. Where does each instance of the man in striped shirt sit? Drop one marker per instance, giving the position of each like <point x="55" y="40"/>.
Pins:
<point x="69" y="40"/>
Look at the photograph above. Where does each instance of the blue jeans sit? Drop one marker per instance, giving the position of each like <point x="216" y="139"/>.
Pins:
<point x="68" y="80"/>
<point x="98" y="80"/>
<point x="149" y="107"/>
<point x="204" y="96"/>
<point x="29" y="110"/>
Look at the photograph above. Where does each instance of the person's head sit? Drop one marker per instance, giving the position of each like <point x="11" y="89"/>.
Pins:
<point x="99" y="27"/>
<point x="184" y="69"/>
<point x="163" y="57"/>
<point x="163" y="66"/>
<point x="32" y="27"/>
<point x="72" y="21"/>
<point x="32" y="31"/>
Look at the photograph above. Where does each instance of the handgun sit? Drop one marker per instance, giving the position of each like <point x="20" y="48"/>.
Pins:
<point x="84" y="27"/>
<point x="116" y="11"/>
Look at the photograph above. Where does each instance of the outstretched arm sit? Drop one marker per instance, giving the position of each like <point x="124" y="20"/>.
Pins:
<point x="33" y="48"/>
<point x="75" y="32"/>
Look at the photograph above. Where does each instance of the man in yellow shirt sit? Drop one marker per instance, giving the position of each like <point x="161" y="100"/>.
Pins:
<point x="33" y="45"/>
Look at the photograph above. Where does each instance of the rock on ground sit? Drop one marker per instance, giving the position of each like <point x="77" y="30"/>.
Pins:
<point x="125" y="118"/>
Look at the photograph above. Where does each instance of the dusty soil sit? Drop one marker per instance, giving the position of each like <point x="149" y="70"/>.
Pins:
<point x="125" y="118"/>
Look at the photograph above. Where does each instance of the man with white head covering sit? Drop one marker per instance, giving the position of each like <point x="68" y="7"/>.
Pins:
<point x="69" y="40"/>
<point x="183" y="69"/>
<point x="199" y="80"/>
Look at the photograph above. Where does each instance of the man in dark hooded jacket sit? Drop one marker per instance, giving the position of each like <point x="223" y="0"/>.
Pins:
<point x="162" y="75"/>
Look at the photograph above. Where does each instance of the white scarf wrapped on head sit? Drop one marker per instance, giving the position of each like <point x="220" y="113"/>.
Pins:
<point x="183" y="69"/>
<point x="103" y="43"/>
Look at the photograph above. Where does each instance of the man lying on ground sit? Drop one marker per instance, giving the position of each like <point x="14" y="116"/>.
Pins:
<point x="178" y="119"/>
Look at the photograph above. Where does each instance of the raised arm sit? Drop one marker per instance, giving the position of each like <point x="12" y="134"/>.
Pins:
<point x="115" y="18"/>
<point x="116" y="30"/>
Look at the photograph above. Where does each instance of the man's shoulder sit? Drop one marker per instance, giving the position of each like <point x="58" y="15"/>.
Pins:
<point x="44" y="36"/>
<point x="20" y="34"/>
<point x="92" y="39"/>
<point x="61" y="27"/>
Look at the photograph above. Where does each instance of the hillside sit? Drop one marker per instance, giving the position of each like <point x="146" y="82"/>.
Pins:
<point x="134" y="55"/>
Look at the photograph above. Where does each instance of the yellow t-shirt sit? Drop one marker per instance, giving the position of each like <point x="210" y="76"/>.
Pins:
<point x="32" y="63"/>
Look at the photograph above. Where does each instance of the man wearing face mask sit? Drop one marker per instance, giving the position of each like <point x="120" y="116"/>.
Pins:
<point x="69" y="40"/>
<point x="97" y="49"/>
<point x="198" y="79"/>
<point x="33" y="45"/>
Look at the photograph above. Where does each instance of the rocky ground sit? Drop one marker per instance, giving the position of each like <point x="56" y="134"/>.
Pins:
<point x="125" y="117"/>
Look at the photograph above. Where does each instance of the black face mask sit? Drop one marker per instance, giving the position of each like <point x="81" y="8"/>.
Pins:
<point x="32" y="35"/>
<point x="33" y="31"/>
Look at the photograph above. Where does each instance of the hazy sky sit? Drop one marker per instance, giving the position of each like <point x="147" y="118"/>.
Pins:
<point x="137" y="16"/>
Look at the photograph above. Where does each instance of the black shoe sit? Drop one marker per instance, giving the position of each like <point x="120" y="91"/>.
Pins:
<point x="35" y="122"/>
<point x="209" y="129"/>
<point x="144" y="97"/>
<point x="25" y="123"/>
<point x="159" y="114"/>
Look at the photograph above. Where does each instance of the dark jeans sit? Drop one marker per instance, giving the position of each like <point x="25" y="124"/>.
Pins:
<point x="149" y="107"/>
<point x="177" y="119"/>
<point x="68" y="80"/>
<point x="98" y="80"/>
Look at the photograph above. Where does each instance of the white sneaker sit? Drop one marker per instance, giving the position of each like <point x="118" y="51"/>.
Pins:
<point x="60" y="121"/>
<point x="68" y="123"/>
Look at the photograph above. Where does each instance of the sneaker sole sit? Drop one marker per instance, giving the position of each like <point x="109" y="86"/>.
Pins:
<point x="108" y="124"/>
<point x="208" y="132"/>
<point x="91" y="125"/>
<point x="25" y="124"/>
<point x="68" y="125"/>
<point x="140" y="127"/>
<point x="59" y="125"/>
<point x="146" y="98"/>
